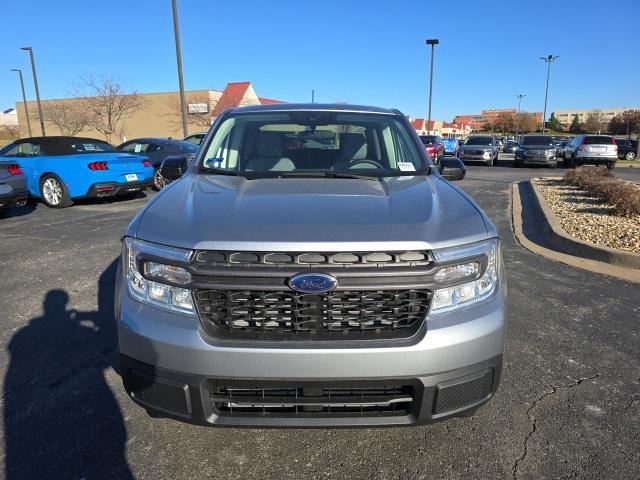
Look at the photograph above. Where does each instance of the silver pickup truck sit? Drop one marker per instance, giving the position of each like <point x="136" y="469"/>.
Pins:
<point x="311" y="267"/>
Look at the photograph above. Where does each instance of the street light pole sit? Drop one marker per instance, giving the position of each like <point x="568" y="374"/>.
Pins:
<point x="548" y="60"/>
<point x="433" y="42"/>
<point x="24" y="100"/>
<point x="519" y="95"/>
<point x="176" y="33"/>
<point x="35" y="83"/>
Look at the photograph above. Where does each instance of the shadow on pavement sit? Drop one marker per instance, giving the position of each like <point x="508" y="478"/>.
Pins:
<point x="61" y="419"/>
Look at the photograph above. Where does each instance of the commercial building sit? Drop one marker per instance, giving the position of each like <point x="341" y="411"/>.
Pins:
<point x="477" y="121"/>
<point x="9" y="118"/>
<point x="439" y="127"/>
<point x="158" y="116"/>
<point x="606" y="114"/>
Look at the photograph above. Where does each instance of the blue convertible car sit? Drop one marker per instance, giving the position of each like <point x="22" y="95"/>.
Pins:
<point x="61" y="169"/>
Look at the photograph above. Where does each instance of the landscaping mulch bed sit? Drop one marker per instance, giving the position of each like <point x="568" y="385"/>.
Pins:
<point x="589" y="218"/>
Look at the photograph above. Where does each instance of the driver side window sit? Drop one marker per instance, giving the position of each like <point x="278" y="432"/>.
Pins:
<point x="25" y="149"/>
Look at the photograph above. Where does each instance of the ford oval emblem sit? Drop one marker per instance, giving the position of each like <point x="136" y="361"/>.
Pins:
<point x="313" y="282"/>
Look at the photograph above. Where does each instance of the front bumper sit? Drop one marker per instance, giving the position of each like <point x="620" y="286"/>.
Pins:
<point x="165" y="355"/>
<point x="536" y="160"/>
<point x="112" y="189"/>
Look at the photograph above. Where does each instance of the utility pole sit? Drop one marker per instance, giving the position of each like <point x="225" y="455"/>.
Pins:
<point x="176" y="33"/>
<point x="24" y="100"/>
<point x="549" y="59"/>
<point x="433" y="42"/>
<point x="313" y="96"/>
<point x="35" y="83"/>
<point x="520" y="96"/>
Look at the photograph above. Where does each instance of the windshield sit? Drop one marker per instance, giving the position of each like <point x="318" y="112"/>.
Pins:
<point x="313" y="142"/>
<point x="542" y="140"/>
<point x="428" y="139"/>
<point x="186" y="146"/>
<point x="479" y="141"/>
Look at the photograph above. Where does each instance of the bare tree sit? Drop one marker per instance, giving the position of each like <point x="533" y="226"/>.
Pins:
<point x="504" y="121"/>
<point x="201" y="119"/>
<point x="526" y="122"/>
<point x="593" y="122"/>
<point x="108" y="104"/>
<point x="69" y="117"/>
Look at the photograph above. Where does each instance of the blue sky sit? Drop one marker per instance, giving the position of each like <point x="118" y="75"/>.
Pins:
<point x="358" y="51"/>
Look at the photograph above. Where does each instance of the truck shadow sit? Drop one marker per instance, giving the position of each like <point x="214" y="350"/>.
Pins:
<point x="61" y="419"/>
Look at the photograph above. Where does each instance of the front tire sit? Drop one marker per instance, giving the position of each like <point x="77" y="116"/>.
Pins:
<point x="53" y="192"/>
<point x="630" y="156"/>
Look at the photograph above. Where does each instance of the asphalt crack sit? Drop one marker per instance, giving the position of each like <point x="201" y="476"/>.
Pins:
<point x="533" y="421"/>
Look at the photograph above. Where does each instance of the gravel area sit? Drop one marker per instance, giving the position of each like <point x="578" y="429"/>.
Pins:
<point x="590" y="219"/>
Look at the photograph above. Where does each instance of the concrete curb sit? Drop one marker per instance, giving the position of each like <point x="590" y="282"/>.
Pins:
<point x="518" y="215"/>
<point x="580" y="248"/>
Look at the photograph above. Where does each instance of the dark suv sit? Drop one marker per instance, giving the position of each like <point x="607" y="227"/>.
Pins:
<point x="537" y="150"/>
<point x="627" y="148"/>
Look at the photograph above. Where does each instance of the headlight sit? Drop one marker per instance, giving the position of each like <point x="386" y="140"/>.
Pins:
<point x="550" y="153"/>
<point x="153" y="282"/>
<point x="469" y="292"/>
<point x="486" y="154"/>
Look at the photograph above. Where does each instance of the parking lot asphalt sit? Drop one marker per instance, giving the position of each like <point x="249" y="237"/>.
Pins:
<point x="568" y="405"/>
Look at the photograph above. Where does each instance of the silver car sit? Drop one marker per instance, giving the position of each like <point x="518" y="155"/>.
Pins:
<point x="283" y="281"/>
<point x="480" y="148"/>
<point x="591" y="149"/>
<point x="13" y="187"/>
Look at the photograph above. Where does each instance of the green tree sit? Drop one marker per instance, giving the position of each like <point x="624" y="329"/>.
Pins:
<point x="554" y="123"/>
<point x="575" y="127"/>
<point x="626" y="124"/>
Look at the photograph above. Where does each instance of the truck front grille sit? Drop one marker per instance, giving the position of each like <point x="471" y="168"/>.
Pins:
<point x="337" y="314"/>
<point x="314" y="400"/>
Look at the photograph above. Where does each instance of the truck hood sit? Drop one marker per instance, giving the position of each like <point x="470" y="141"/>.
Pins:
<point x="310" y="214"/>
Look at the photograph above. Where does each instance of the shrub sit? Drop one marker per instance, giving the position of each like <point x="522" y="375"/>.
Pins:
<point x="602" y="183"/>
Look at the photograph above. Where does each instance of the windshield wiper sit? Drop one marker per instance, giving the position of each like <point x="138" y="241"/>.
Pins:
<point x="219" y="171"/>
<point x="326" y="175"/>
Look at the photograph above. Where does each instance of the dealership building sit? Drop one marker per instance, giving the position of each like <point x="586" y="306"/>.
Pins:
<point x="477" y="121"/>
<point x="159" y="115"/>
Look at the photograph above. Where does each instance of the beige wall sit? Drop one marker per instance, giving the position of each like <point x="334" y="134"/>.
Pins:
<point x="160" y="116"/>
<point x="606" y="114"/>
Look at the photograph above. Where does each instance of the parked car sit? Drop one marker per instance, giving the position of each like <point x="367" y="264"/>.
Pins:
<point x="451" y="146"/>
<point x="195" y="138"/>
<point x="344" y="286"/>
<point x="62" y="169"/>
<point x="509" y="146"/>
<point x="479" y="148"/>
<point x="13" y="186"/>
<point x="627" y="148"/>
<point x="536" y="150"/>
<point x="434" y="146"/>
<point x="591" y="149"/>
<point x="157" y="149"/>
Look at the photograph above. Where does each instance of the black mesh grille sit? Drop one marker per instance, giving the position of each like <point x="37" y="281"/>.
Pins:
<point x="338" y="312"/>
<point x="311" y="401"/>
<point x="462" y="394"/>
<point x="209" y="258"/>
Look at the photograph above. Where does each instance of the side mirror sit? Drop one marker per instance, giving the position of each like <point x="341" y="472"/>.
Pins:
<point x="452" y="168"/>
<point x="173" y="167"/>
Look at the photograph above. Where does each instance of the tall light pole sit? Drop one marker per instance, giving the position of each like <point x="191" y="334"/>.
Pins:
<point x="24" y="100"/>
<point x="176" y="33"/>
<point x="433" y="42"/>
<point x="549" y="59"/>
<point x="35" y="83"/>
<point x="520" y="96"/>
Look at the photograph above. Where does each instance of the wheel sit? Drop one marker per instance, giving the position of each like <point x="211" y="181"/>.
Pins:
<point x="158" y="180"/>
<point x="53" y="192"/>
<point x="630" y="156"/>
<point x="572" y="162"/>
<point x="610" y="165"/>
<point x="3" y="211"/>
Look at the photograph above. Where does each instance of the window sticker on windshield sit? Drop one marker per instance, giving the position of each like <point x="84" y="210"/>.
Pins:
<point x="89" y="147"/>
<point x="215" y="162"/>
<point x="406" y="167"/>
<point x="137" y="148"/>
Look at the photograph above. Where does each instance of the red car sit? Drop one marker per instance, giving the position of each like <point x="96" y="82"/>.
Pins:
<point x="434" y="146"/>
